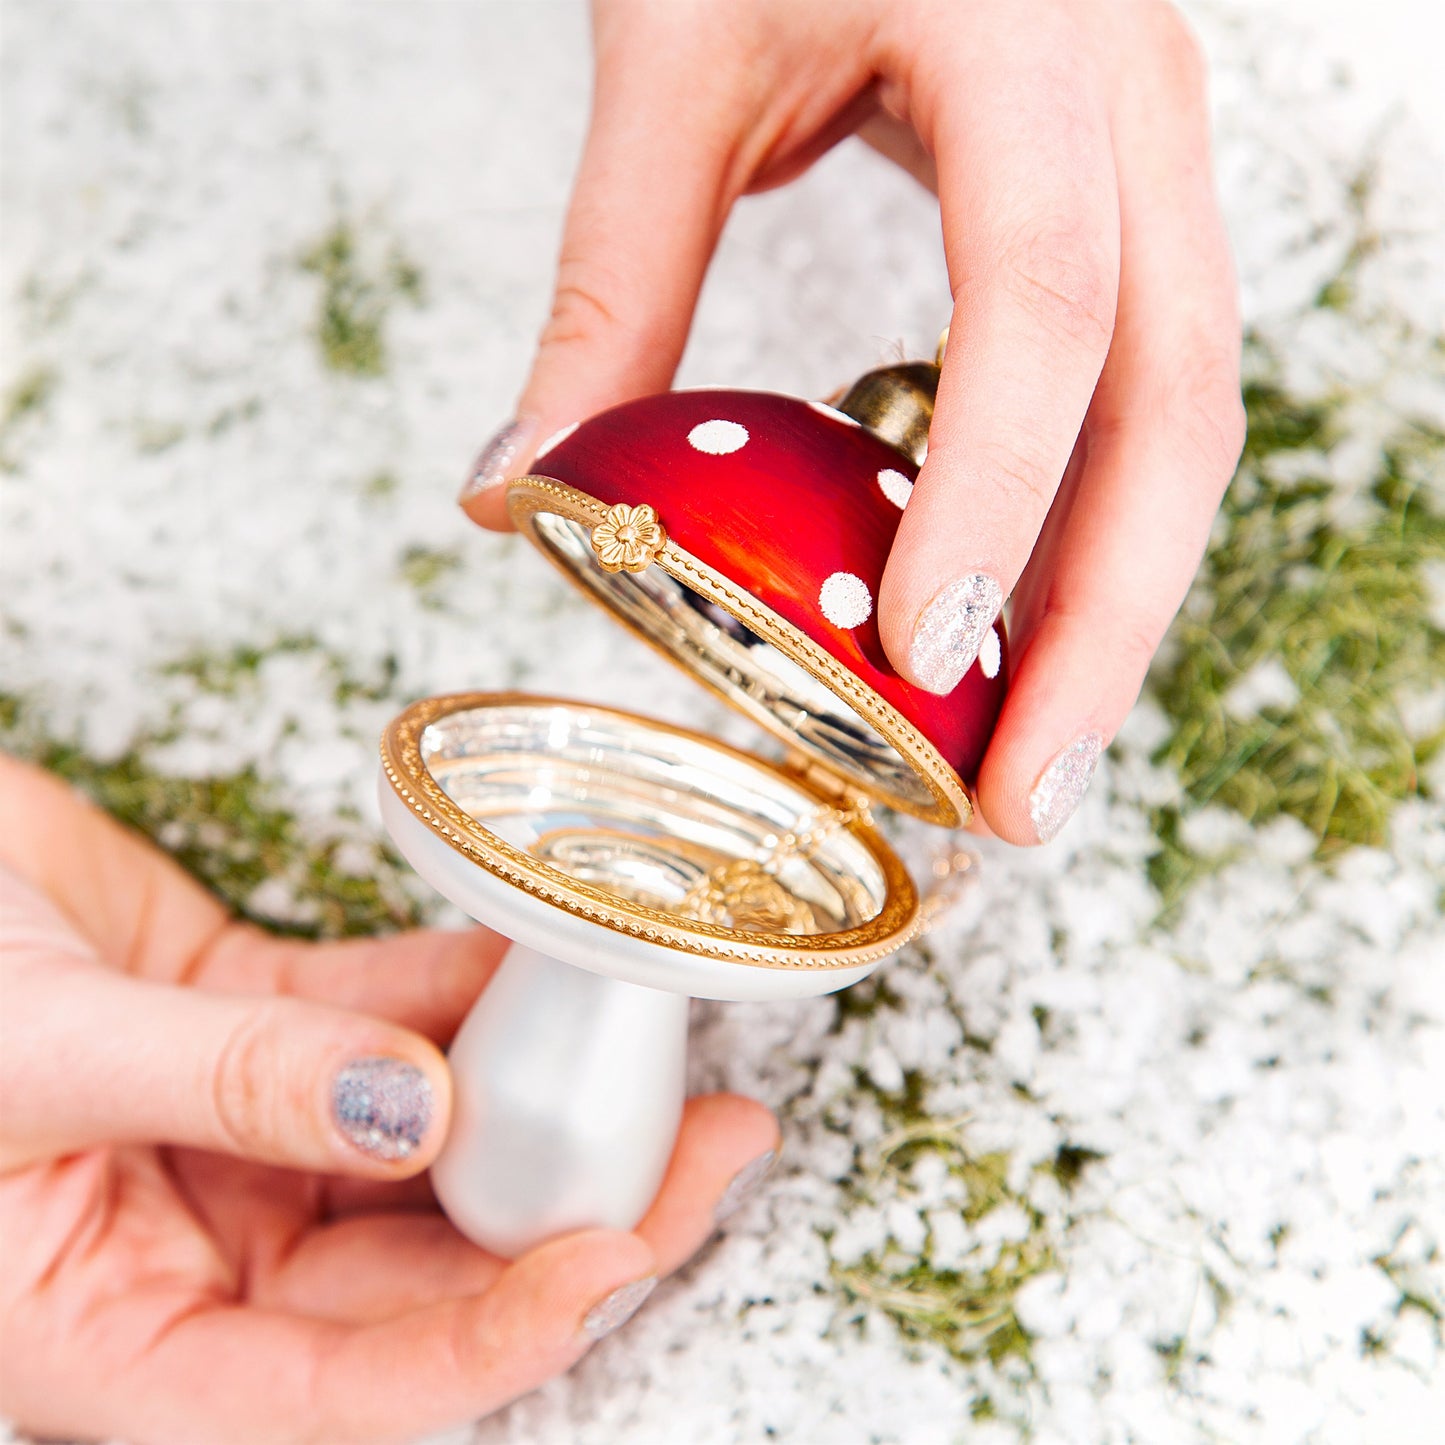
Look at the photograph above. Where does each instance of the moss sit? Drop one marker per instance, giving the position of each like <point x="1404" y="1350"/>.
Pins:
<point x="1069" y="1163"/>
<point x="379" y="486"/>
<point x="1345" y="609"/>
<point x="152" y="437"/>
<point x="230" y="416"/>
<point x="226" y="673"/>
<point x="968" y="1311"/>
<point x="1171" y="1354"/>
<point x="233" y="833"/>
<point x="28" y="396"/>
<point x="355" y="299"/>
<point x="230" y="672"/>
<point x="1413" y="1290"/>
<point x="425" y="569"/>
<point x="1339" y="292"/>
<point x="406" y="278"/>
<point x="863" y="1000"/>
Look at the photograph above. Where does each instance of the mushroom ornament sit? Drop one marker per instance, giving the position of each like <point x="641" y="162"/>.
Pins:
<point x="635" y="864"/>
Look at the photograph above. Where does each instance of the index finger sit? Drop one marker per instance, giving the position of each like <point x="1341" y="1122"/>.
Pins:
<point x="1031" y="231"/>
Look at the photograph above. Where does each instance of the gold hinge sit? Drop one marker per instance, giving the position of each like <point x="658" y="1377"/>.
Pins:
<point x="833" y="786"/>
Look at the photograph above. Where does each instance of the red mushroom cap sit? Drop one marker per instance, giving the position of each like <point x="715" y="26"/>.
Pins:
<point x="794" y="503"/>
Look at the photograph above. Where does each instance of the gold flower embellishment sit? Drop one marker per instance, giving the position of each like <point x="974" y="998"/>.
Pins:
<point x="628" y="539"/>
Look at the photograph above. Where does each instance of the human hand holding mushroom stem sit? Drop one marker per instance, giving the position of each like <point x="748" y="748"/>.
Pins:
<point x="1088" y="414"/>
<point x="211" y="1217"/>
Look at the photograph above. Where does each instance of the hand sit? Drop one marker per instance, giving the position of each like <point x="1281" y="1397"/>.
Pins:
<point x="180" y="1258"/>
<point x="1089" y="414"/>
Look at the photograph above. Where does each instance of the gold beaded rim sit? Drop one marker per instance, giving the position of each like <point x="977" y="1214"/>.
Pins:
<point x="406" y="770"/>
<point x="951" y="803"/>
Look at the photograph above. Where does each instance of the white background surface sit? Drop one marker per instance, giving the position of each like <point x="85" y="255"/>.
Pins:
<point x="1393" y="50"/>
<point x="1264" y="1077"/>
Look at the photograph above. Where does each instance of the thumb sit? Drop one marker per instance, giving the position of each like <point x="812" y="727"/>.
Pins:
<point x="94" y="1057"/>
<point x="648" y="204"/>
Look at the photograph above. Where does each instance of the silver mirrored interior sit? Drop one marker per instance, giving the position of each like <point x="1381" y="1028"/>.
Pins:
<point x="655" y="817"/>
<point x="753" y="674"/>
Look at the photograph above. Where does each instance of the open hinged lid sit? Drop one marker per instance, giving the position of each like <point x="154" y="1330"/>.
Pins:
<point x="744" y="535"/>
<point x="633" y="848"/>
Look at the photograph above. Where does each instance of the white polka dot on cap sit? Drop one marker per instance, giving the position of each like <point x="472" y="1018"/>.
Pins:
<point x="895" y="486"/>
<point x="990" y="654"/>
<point x="823" y="409"/>
<point x="555" y="440"/>
<point x="717" y="438"/>
<point x="846" y="600"/>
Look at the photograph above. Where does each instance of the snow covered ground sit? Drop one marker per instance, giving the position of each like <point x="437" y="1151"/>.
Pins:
<point x="1192" y="1169"/>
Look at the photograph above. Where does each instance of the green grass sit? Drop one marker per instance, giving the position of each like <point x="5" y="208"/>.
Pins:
<point x="234" y="833"/>
<point x="228" y="673"/>
<point x="1344" y="608"/>
<point x="967" y="1311"/>
<point x="28" y="396"/>
<point x="425" y="569"/>
<point x="355" y="298"/>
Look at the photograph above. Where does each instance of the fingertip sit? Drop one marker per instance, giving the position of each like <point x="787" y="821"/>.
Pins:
<point x="391" y="1110"/>
<point x="735" y="1125"/>
<point x="488" y="509"/>
<point x="726" y="1146"/>
<point x="580" y="1287"/>
<point x="1047" y="744"/>
<point x="1003" y="787"/>
<point x="506" y="454"/>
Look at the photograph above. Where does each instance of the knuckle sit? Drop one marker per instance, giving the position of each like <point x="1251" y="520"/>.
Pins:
<point x="1138" y="638"/>
<point x="1208" y="409"/>
<point x="1021" y="470"/>
<point x="1180" y="47"/>
<point x="247" y="1089"/>
<point x="579" y="314"/>
<point x="1064" y="277"/>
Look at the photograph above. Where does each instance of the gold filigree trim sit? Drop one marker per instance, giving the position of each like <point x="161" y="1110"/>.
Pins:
<point x="406" y="770"/>
<point x="952" y="805"/>
<point x="628" y="538"/>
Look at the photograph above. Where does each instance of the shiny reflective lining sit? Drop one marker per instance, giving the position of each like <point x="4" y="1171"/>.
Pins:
<point x="749" y="671"/>
<point x="655" y="817"/>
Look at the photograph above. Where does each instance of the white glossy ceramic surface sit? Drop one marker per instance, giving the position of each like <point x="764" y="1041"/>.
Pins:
<point x="568" y="1091"/>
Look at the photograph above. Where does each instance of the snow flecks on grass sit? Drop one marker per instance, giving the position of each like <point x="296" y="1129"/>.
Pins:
<point x="234" y="831"/>
<point x="426" y="569"/>
<point x="26" y="397"/>
<point x="1076" y="1166"/>
<point x="356" y="293"/>
<point x="1290" y="675"/>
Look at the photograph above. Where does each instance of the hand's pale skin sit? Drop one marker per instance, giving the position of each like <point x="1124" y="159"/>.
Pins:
<point x="1089" y="414"/>
<point x="182" y="1255"/>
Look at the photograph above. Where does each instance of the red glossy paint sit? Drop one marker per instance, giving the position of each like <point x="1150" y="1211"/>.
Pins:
<point x="797" y="502"/>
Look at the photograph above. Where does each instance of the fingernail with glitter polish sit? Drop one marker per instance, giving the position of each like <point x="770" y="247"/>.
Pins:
<point x="1062" y="785"/>
<point x="951" y="629"/>
<point x="383" y="1106"/>
<point x="614" y="1310"/>
<point x="497" y="461"/>
<point x="743" y="1183"/>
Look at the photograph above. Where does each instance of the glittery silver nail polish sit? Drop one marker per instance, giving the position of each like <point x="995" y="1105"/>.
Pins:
<point x="616" y="1309"/>
<point x="743" y="1183"/>
<point x="951" y="629"/>
<point x="383" y="1106"/>
<point x="1063" y="784"/>
<point x="495" y="462"/>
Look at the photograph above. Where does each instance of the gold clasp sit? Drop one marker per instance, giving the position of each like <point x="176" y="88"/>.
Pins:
<point x="628" y="538"/>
